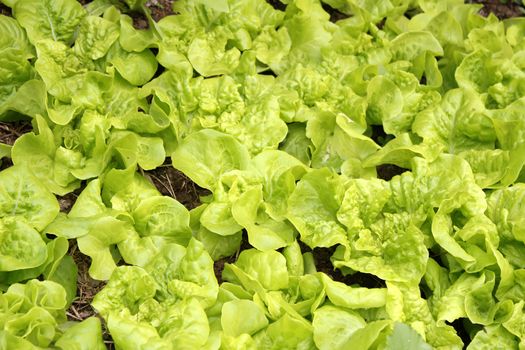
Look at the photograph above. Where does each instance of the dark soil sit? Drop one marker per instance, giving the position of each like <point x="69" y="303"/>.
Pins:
<point x="335" y="15"/>
<point x="502" y="9"/>
<point x="379" y="135"/>
<point x="171" y="182"/>
<point x="218" y="265"/>
<point x="324" y="264"/>
<point x="388" y="171"/>
<point x="160" y="8"/>
<point x="66" y="202"/>
<point x="9" y="132"/>
<point x="87" y="288"/>
<point x="140" y="21"/>
<point x="4" y="10"/>
<point x="5" y="163"/>
<point x="384" y="171"/>
<point x="278" y="5"/>
<point x="459" y="326"/>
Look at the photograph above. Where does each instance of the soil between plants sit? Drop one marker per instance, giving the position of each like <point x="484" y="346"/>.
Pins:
<point x="502" y="9"/>
<point x="4" y="10"/>
<point x="171" y="182"/>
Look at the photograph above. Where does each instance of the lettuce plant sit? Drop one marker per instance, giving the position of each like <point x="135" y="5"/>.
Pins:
<point x="287" y="117"/>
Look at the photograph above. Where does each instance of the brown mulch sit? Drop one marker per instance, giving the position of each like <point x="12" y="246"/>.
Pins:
<point x="171" y="182"/>
<point x="67" y="201"/>
<point x="87" y="288"/>
<point x="502" y="9"/>
<point x="160" y="8"/>
<point x="140" y="21"/>
<point x="9" y="132"/>
<point x="218" y="266"/>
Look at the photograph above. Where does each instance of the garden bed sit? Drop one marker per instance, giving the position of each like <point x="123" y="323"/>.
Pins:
<point x="171" y="181"/>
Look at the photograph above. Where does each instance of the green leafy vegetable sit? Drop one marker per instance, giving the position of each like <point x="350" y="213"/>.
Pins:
<point x="387" y="135"/>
